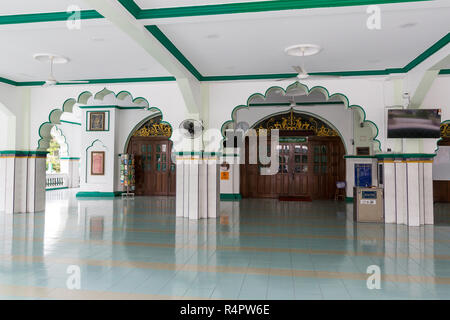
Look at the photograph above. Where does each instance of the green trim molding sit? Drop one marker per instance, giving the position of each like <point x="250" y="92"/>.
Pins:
<point x="47" y="17"/>
<point x="245" y="7"/>
<point x="70" y="122"/>
<point x="348" y="199"/>
<point x="97" y="194"/>
<point x="230" y="197"/>
<point x="60" y="188"/>
<point x="23" y="153"/>
<point x="394" y="156"/>
<point x="69" y="158"/>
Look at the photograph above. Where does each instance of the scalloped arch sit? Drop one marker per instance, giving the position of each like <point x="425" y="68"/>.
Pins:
<point x="297" y="88"/>
<point x="54" y="117"/>
<point x="437" y="141"/>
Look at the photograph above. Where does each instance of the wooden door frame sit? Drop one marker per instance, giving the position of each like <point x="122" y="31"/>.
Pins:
<point x="154" y="141"/>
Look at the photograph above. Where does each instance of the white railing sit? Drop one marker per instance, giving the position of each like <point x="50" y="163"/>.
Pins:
<point x="56" y="180"/>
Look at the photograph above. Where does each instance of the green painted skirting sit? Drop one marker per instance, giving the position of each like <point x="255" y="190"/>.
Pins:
<point x="230" y="196"/>
<point x="349" y="199"/>
<point x="23" y="152"/>
<point x="50" y="189"/>
<point x="69" y="158"/>
<point x="96" y="194"/>
<point x="394" y="156"/>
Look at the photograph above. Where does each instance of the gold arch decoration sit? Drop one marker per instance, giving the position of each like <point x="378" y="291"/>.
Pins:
<point x="445" y="130"/>
<point x="296" y="121"/>
<point x="154" y="128"/>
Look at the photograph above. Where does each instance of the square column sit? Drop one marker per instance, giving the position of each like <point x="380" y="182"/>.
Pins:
<point x="22" y="181"/>
<point x="390" y="215"/>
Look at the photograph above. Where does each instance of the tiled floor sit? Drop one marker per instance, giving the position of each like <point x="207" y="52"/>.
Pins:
<point x="256" y="249"/>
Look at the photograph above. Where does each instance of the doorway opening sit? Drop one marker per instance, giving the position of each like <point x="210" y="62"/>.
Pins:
<point x="154" y="170"/>
<point x="311" y="160"/>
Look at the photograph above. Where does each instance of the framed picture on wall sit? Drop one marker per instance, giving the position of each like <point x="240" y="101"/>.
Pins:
<point x="98" y="163"/>
<point x="97" y="121"/>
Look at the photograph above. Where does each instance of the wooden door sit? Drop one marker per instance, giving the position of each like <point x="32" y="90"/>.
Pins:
<point x="155" y="173"/>
<point x="299" y="169"/>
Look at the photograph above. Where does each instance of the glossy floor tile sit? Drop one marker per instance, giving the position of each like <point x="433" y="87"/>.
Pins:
<point x="264" y="249"/>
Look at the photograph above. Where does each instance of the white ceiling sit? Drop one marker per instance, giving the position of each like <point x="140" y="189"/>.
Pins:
<point x="38" y="6"/>
<point x="255" y="45"/>
<point x="115" y="56"/>
<point x="152" y="4"/>
<point x="232" y="44"/>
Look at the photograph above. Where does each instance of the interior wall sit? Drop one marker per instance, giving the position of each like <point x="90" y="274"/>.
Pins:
<point x="368" y="93"/>
<point x="439" y="97"/>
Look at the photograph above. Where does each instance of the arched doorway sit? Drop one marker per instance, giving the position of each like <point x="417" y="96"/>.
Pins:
<point x="154" y="170"/>
<point x="311" y="159"/>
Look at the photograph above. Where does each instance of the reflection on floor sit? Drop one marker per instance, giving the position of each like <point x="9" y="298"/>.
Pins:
<point x="257" y="249"/>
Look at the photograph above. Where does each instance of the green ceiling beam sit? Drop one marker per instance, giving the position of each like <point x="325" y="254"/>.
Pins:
<point x="246" y="7"/>
<point x="47" y="17"/>
<point x="161" y="37"/>
<point x="91" y="81"/>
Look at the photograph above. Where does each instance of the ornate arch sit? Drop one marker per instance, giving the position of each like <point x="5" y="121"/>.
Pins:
<point x="123" y="98"/>
<point x="300" y="89"/>
<point x="151" y="126"/>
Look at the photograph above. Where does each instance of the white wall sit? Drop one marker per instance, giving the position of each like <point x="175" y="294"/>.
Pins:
<point x="439" y="97"/>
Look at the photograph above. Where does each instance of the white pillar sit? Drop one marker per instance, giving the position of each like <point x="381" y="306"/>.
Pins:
<point x="179" y="192"/>
<point x="401" y="192"/>
<point x="428" y="192"/>
<point x="413" y="194"/>
<point x="389" y="192"/>
<point x="22" y="180"/>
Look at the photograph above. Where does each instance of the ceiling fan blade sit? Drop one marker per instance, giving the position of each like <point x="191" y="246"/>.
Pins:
<point x="73" y="81"/>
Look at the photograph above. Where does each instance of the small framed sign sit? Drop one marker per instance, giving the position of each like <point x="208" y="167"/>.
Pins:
<point x="98" y="163"/>
<point x="97" y="121"/>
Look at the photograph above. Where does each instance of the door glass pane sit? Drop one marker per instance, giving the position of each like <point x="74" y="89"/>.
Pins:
<point x="297" y="159"/>
<point x="163" y="167"/>
<point x="324" y="158"/>
<point x="298" y="169"/>
<point x="316" y="159"/>
<point x="316" y="169"/>
<point x="143" y="148"/>
<point x="163" y="149"/>
<point x="163" y="157"/>
<point x="158" y="166"/>
<point x="324" y="169"/>
<point x="305" y="149"/>
<point x="305" y="168"/>
<point x="324" y="149"/>
<point x="158" y="148"/>
<point x="158" y="158"/>
<point x="172" y="167"/>
<point x="304" y="159"/>
<point x="298" y="148"/>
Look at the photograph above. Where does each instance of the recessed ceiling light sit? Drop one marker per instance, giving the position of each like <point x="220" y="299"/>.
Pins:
<point x="408" y="25"/>
<point x="302" y="50"/>
<point x="212" y="36"/>
<point x="47" y="57"/>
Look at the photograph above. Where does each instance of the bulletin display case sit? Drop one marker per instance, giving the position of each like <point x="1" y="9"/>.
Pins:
<point x="127" y="175"/>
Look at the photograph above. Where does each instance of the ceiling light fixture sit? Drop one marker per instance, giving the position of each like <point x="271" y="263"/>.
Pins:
<point x="302" y="50"/>
<point x="49" y="57"/>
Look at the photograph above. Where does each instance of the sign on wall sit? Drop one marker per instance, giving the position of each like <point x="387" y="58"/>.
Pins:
<point x="98" y="163"/>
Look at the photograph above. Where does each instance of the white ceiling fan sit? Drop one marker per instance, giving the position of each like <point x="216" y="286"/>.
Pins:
<point x="302" y="51"/>
<point x="52" y="59"/>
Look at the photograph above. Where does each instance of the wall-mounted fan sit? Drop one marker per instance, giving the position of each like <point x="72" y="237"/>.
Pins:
<point x="191" y="128"/>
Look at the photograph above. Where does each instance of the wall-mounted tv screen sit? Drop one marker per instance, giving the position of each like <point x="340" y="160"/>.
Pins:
<point x="414" y="123"/>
